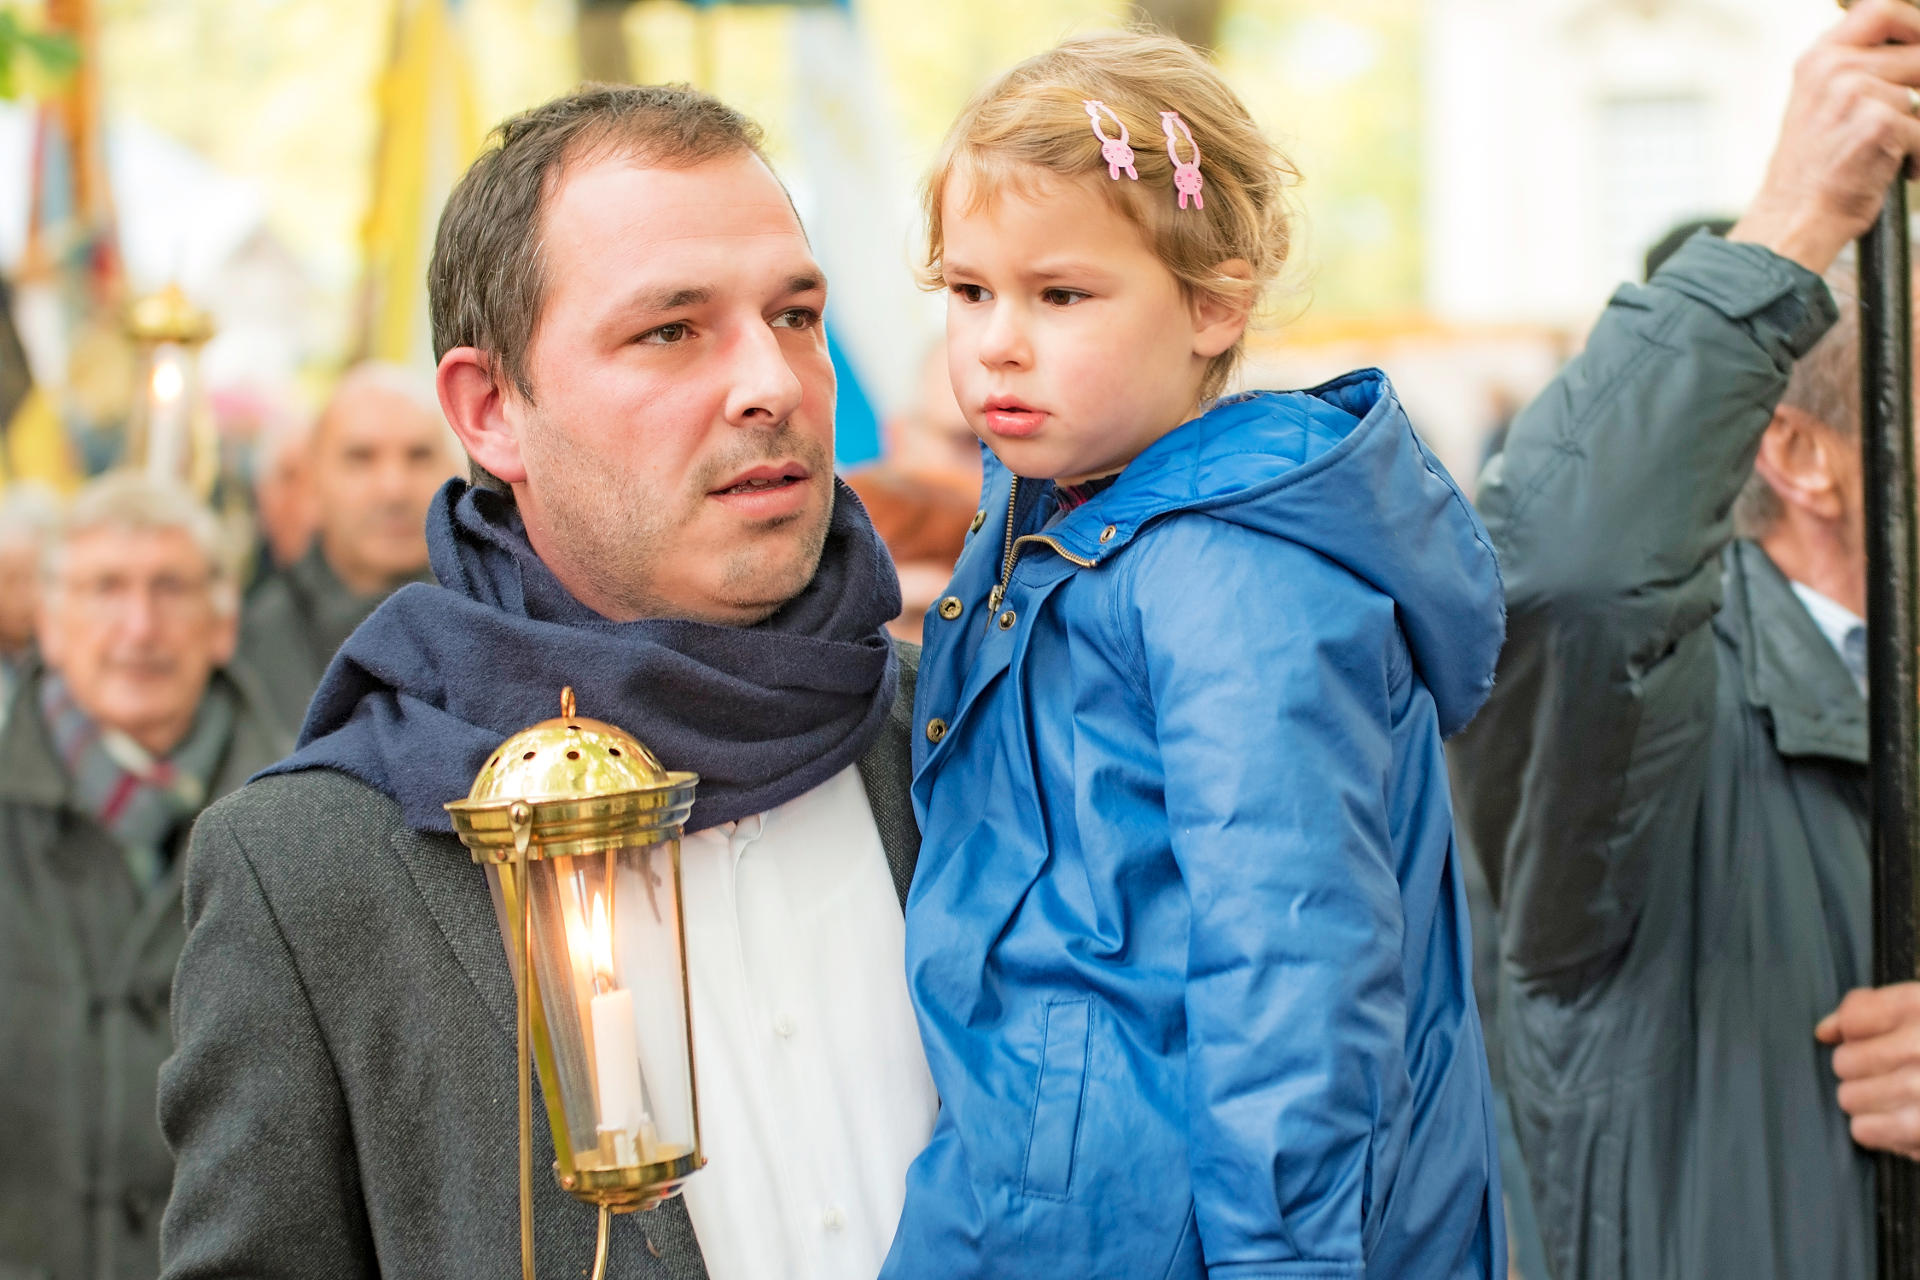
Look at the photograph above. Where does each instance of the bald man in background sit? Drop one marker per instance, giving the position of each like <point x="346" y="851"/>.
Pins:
<point x="379" y="452"/>
<point x="922" y="495"/>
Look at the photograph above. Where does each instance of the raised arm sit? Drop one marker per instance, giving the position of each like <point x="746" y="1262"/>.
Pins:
<point x="264" y="1184"/>
<point x="1610" y="507"/>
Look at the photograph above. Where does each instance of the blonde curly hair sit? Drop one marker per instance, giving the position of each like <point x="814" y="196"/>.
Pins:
<point x="1034" y="118"/>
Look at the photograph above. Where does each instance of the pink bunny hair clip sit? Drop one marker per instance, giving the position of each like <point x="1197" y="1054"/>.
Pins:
<point x="1186" y="173"/>
<point x="1115" y="151"/>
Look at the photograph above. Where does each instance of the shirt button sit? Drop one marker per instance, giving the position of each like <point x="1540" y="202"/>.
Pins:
<point x="950" y="608"/>
<point x="783" y="1026"/>
<point x="936" y="729"/>
<point x="979" y="518"/>
<point x="1006" y="620"/>
<point x="1106" y="534"/>
<point x="833" y="1219"/>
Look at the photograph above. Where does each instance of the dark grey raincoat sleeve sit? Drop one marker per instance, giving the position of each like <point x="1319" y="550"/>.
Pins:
<point x="1610" y="507"/>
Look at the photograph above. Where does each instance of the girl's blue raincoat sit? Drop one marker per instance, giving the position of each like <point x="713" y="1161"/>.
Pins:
<point x="1187" y="940"/>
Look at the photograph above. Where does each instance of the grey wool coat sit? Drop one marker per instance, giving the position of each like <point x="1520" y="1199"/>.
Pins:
<point x="342" y="1102"/>
<point x="296" y="618"/>
<point x="1668" y="790"/>
<point x="86" y="961"/>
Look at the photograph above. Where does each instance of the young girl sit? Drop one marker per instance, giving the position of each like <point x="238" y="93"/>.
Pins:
<point x="1187" y="941"/>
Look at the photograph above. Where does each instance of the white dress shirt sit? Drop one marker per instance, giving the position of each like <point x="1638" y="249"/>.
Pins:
<point x="814" y="1090"/>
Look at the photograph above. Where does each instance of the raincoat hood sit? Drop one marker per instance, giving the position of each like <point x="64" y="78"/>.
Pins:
<point x="1354" y="484"/>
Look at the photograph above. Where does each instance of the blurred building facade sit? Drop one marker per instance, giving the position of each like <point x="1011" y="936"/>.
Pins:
<point x="1562" y="137"/>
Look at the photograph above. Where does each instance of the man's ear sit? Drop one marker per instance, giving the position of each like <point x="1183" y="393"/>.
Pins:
<point x="1219" y="320"/>
<point x="479" y="413"/>
<point x="1800" y="459"/>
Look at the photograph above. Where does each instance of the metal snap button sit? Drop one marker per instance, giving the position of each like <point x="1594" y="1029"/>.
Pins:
<point x="1006" y="620"/>
<point x="1106" y="534"/>
<point x="979" y="518"/>
<point x="936" y="729"/>
<point x="950" y="608"/>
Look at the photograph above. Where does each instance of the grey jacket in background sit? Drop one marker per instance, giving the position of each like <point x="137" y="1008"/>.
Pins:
<point x="1668" y="791"/>
<point x="86" y="961"/>
<point x="342" y="1103"/>
<point x="296" y="618"/>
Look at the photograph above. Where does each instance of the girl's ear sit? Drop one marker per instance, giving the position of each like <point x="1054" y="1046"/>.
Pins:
<point x="1220" y="319"/>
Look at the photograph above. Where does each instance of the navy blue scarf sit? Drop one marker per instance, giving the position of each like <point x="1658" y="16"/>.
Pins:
<point x="440" y="675"/>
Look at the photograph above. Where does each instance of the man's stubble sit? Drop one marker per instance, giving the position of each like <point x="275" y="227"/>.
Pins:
<point x="626" y="540"/>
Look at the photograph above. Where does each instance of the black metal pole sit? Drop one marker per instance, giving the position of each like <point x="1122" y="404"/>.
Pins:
<point x="1893" y="703"/>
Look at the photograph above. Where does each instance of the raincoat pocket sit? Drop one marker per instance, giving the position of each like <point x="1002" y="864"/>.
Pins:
<point x="1057" y="1098"/>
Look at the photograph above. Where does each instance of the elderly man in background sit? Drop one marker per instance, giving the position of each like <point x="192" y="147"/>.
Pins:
<point x="379" y="452"/>
<point x="1668" y="786"/>
<point x="282" y="496"/>
<point x="110" y="750"/>
<point x="27" y="512"/>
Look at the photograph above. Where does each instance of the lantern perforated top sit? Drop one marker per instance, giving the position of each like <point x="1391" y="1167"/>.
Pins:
<point x="167" y="316"/>
<point x="584" y="785"/>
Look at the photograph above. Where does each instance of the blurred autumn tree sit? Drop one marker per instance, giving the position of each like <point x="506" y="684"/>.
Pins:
<point x="53" y="56"/>
<point x="602" y="41"/>
<point x="21" y="49"/>
<point x="1195" y="21"/>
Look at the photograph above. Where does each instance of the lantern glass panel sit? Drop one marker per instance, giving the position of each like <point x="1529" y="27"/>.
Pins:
<point x="170" y="435"/>
<point x="608" y="956"/>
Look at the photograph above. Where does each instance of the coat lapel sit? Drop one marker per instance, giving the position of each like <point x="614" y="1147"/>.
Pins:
<point x="454" y="888"/>
<point x="1790" y="668"/>
<point x="886" y="769"/>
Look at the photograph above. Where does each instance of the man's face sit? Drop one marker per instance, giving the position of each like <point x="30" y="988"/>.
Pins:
<point x="378" y="458"/>
<point x="679" y="446"/>
<point x="19" y="589"/>
<point x="1852" y="482"/>
<point x="131" y="623"/>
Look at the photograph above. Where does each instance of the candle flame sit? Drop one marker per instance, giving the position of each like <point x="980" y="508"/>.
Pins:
<point x="602" y="942"/>
<point x="169" y="380"/>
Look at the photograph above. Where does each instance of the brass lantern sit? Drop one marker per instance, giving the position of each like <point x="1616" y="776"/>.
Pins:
<point x="578" y="826"/>
<point x="171" y="436"/>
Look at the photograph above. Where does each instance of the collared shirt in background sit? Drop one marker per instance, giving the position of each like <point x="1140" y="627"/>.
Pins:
<point x="1844" y="629"/>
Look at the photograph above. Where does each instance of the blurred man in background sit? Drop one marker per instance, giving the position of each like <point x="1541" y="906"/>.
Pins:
<point x="1668" y="786"/>
<point x="27" y="512"/>
<point x="109" y="752"/>
<point x="379" y="452"/>
<point x="924" y="494"/>
<point x="282" y="496"/>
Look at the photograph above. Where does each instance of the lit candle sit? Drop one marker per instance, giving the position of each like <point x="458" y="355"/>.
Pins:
<point x="616" y="1051"/>
<point x="167" y="416"/>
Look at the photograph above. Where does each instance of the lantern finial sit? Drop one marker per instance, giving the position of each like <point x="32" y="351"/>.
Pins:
<point x="566" y="702"/>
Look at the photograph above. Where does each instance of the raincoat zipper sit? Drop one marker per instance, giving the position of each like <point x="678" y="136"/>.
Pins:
<point x="1012" y="552"/>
